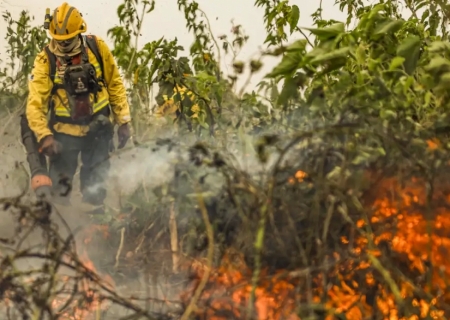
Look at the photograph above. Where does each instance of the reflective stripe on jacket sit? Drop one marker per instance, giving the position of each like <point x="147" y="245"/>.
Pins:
<point x="40" y="86"/>
<point x="172" y="104"/>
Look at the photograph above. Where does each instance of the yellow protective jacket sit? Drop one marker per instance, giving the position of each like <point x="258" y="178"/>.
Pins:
<point x="169" y="107"/>
<point x="40" y="86"/>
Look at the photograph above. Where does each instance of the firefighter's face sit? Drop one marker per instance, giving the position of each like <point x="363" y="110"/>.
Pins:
<point x="66" y="43"/>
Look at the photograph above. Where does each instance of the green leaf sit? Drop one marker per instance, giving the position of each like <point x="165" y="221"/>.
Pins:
<point x="328" y="32"/>
<point x="363" y="157"/>
<point x="439" y="46"/>
<point x="396" y="62"/>
<point x="294" y="16"/>
<point x="335" y="173"/>
<point x="381" y="151"/>
<point x="288" y="65"/>
<point x="410" y="50"/>
<point x="317" y="51"/>
<point x="374" y="12"/>
<point x="427" y="98"/>
<point x="298" y="45"/>
<point x="204" y="124"/>
<point x="387" y="114"/>
<point x="288" y="91"/>
<point x="335" y="54"/>
<point x="388" y="27"/>
<point x="437" y="64"/>
<point x="445" y="80"/>
<point x="360" y="54"/>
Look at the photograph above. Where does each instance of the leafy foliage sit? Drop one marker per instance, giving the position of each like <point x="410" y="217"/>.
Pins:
<point x="23" y="43"/>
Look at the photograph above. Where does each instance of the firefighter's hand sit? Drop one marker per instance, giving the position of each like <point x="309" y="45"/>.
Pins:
<point x="49" y="146"/>
<point x="123" y="134"/>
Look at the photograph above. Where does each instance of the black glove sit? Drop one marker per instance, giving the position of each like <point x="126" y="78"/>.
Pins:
<point x="49" y="146"/>
<point x="124" y="134"/>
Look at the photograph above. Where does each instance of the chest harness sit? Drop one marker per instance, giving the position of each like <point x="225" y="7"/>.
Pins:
<point x="79" y="80"/>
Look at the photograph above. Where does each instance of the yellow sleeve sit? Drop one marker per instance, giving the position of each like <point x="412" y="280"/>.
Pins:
<point x="116" y="88"/>
<point x="39" y="87"/>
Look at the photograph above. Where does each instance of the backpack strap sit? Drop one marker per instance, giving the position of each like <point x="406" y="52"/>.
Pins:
<point x="52" y="69"/>
<point x="52" y="63"/>
<point x="52" y="72"/>
<point x="91" y="41"/>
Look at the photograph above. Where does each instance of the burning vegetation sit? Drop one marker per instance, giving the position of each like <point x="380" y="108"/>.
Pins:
<point x="393" y="264"/>
<point x="371" y="245"/>
<point x="60" y="280"/>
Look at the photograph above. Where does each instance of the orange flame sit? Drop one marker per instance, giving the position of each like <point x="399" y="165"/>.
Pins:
<point x="229" y="286"/>
<point x="93" y="304"/>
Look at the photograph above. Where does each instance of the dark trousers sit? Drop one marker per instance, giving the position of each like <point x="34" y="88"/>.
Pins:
<point x="94" y="169"/>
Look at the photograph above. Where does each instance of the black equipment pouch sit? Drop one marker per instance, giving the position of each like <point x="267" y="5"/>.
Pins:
<point x="80" y="81"/>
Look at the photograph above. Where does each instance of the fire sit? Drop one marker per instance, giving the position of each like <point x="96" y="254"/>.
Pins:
<point x="84" y="303"/>
<point x="90" y="308"/>
<point x="401" y="220"/>
<point x="421" y="238"/>
<point x="231" y="288"/>
<point x="298" y="177"/>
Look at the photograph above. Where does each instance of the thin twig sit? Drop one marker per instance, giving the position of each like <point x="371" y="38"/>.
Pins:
<point x="119" y="250"/>
<point x="173" y="238"/>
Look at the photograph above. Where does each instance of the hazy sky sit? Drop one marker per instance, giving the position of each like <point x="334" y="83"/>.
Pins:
<point x="166" y="20"/>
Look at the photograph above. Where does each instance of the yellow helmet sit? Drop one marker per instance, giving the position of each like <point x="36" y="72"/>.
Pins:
<point x="66" y="23"/>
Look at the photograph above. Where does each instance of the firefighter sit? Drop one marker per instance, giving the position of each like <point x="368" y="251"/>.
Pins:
<point x="76" y="97"/>
<point x="171" y="94"/>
